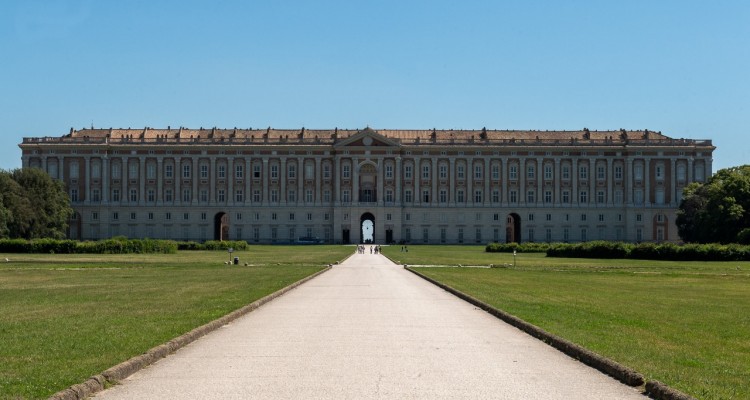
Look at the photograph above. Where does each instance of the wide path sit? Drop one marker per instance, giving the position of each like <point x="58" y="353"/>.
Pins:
<point x="368" y="329"/>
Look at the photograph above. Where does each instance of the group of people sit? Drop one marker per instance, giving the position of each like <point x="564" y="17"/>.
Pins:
<point x="361" y="249"/>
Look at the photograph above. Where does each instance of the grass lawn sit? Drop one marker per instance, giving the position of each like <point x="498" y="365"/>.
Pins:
<point x="686" y="324"/>
<point x="64" y="318"/>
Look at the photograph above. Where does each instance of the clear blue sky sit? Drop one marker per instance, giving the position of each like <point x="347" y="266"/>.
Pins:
<point x="679" y="67"/>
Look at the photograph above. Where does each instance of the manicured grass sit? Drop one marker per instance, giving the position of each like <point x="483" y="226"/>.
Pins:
<point x="64" y="318"/>
<point x="683" y="323"/>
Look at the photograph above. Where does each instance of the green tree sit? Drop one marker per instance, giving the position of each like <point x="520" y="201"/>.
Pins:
<point x="718" y="210"/>
<point x="36" y="206"/>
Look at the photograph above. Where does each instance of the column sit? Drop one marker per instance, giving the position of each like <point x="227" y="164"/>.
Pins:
<point x="629" y="181"/>
<point x="211" y="181"/>
<point x="355" y="180"/>
<point x="300" y="179"/>
<point x="141" y="179"/>
<point x="283" y="174"/>
<point x="87" y="180"/>
<point x="487" y="175"/>
<point x="647" y="182"/>
<point x="610" y="175"/>
<point x="504" y="181"/>
<point x="690" y="170"/>
<point x="318" y="180"/>
<point x="452" y="182"/>
<point x="159" y="180"/>
<point x="266" y="174"/>
<point x="397" y="173"/>
<point x="248" y="179"/>
<point x="435" y="183"/>
<point x="61" y="168"/>
<point x="673" y="182"/>
<point x="709" y="167"/>
<point x="539" y="180"/>
<point x="557" y="182"/>
<point x="106" y="176"/>
<point x="44" y="164"/>
<point x="417" y="177"/>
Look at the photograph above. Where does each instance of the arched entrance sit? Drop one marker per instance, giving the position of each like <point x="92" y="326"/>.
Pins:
<point x="513" y="228"/>
<point x="367" y="228"/>
<point x="221" y="226"/>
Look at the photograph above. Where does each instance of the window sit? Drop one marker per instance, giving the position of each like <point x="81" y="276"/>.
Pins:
<point x="221" y="196"/>
<point x="460" y="172"/>
<point x="496" y="217"/>
<point x="326" y="171"/>
<point x="74" y="195"/>
<point x="513" y="172"/>
<point x="309" y="218"/>
<point x="389" y="196"/>
<point x="639" y="218"/>
<point x="477" y="196"/>
<point x="566" y="196"/>
<point x="425" y="171"/>
<point x="600" y="173"/>
<point x="495" y="196"/>
<point x="548" y="172"/>
<point x="186" y="216"/>
<point x="460" y="196"/>
<point x="308" y="196"/>
<point x="186" y="171"/>
<point x="204" y="216"/>
<point x="407" y="196"/>
<point x="186" y="195"/>
<point x="601" y="217"/>
<point x="115" y="216"/>
<point x="274" y="195"/>
<point x="256" y="172"/>
<point x="584" y="234"/>
<point x="273" y="216"/>
<point x="133" y="216"/>
<point x="239" y="196"/>
<point x="346" y="171"/>
<point x="659" y="196"/>
<point x="407" y="171"/>
<point x="222" y="171"/>
<point x="291" y="216"/>
<point x="495" y="172"/>
<point x="95" y="216"/>
<point x="548" y="235"/>
<point x="133" y="170"/>
<point x="583" y="197"/>
<point x="548" y="196"/>
<point x="96" y="195"/>
<point x="204" y="171"/>
<point x="327" y="196"/>
<point x="531" y="234"/>
<point x="309" y="171"/>
<point x="346" y="196"/>
<point x="133" y="195"/>
<point x="389" y="171"/>
<point x="239" y="171"/>
<point x="638" y="196"/>
<point x="150" y="195"/>
<point x="425" y="195"/>
<point x="681" y="173"/>
<point x="583" y="217"/>
<point x="477" y="172"/>
<point x="659" y="172"/>
<point x="566" y="172"/>
<point x="600" y="197"/>
<point x="513" y="196"/>
<point x="530" y="196"/>
<point x="583" y="172"/>
<point x="291" y="196"/>
<point x="548" y="217"/>
<point x="96" y="170"/>
<point x="618" y="172"/>
<point x="73" y="168"/>
<point x="204" y="195"/>
<point x="425" y="235"/>
<point x="566" y="234"/>
<point x="531" y="217"/>
<point x="699" y="173"/>
<point x="291" y="171"/>
<point x="168" y="216"/>
<point x="274" y="171"/>
<point x="638" y="172"/>
<point x="530" y="171"/>
<point x="618" y="196"/>
<point x="116" y="171"/>
<point x="168" y="197"/>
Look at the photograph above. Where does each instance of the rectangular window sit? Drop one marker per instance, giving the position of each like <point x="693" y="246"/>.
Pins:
<point x="274" y="171"/>
<point x="345" y="196"/>
<point x="425" y="195"/>
<point x="389" y="171"/>
<point x="204" y="216"/>
<point x="425" y="171"/>
<point x="530" y="171"/>
<point x="274" y="196"/>
<point x="222" y="171"/>
<point x="566" y="196"/>
<point x="116" y="170"/>
<point x="513" y="172"/>
<point x="618" y="172"/>
<point x="115" y="216"/>
<point x="256" y="172"/>
<point x="600" y="197"/>
<point x="548" y="217"/>
<point x="74" y="195"/>
<point x="566" y="172"/>
<point x="239" y="171"/>
<point x="443" y="196"/>
<point x="291" y="216"/>
<point x="346" y="171"/>
<point x="186" y="171"/>
<point x="186" y="195"/>
<point x="308" y="195"/>
<point x="425" y="235"/>
<point x="309" y="218"/>
<point x="530" y="197"/>
<point x="460" y="196"/>
<point x="477" y="196"/>
<point x="583" y="197"/>
<point x="239" y="196"/>
<point x="583" y="172"/>
<point x="291" y="171"/>
<point x="96" y="170"/>
<point x="548" y="172"/>
<point x="407" y="196"/>
<point x="638" y="172"/>
<point x="601" y="217"/>
<point x="584" y="235"/>
<point x="95" y="216"/>
<point x="221" y="196"/>
<point x="495" y="196"/>
<point x="495" y="172"/>
<point x="309" y="172"/>
<point x="168" y="216"/>
<point x="133" y="170"/>
<point x="133" y="195"/>
<point x="150" y="195"/>
<point x="460" y="173"/>
<point x="531" y="234"/>
<point x="583" y="217"/>
<point x="291" y="196"/>
<point x="548" y="235"/>
<point x="326" y="171"/>
<point x="256" y="196"/>
<point x="133" y="216"/>
<point x="204" y="195"/>
<point x="168" y="197"/>
<point x="204" y="171"/>
<point x="513" y="196"/>
<point x="477" y="172"/>
<point x="96" y="195"/>
<point x="327" y="196"/>
<point x="600" y="173"/>
<point x="186" y="216"/>
<point x="548" y="196"/>
<point x="389" y="196"/>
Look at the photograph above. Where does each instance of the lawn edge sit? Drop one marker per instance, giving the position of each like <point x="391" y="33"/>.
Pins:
<point x="126" y="368"/>
<point x="654" y="389"/>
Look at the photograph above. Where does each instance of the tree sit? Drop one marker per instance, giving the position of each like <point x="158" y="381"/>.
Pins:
<point x="32" y="205"/>
<point x="718" y="210"/>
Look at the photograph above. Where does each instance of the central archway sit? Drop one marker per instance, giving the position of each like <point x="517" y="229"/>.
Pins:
<point x="513" y="228"/>
<point x="221" y="226"/>
<point x="367" y="228"/>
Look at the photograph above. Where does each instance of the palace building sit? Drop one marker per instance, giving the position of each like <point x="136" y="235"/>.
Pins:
<point x="411" y="186"/>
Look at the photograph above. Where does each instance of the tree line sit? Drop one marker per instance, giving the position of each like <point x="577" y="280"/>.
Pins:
<point x="32" y="205"/>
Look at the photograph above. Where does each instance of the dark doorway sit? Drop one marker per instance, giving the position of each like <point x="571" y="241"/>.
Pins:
<point x="345" y="236"/>
<point x="367" y="228"/>
<point x="513" y="228"/>
<point x="221" y="226"/>
<point x="389" y="236"/>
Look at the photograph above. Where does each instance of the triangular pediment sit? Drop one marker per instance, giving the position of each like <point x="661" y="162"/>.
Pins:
<point x="367" y="137"/>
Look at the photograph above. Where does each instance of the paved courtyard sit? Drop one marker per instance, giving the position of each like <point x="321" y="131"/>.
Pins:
<point x="368" y="329"/>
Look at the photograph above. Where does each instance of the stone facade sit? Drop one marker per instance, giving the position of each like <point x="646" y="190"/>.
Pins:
<point x="416" y="186"/>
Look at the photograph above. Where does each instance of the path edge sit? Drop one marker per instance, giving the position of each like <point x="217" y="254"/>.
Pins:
<point x="654" y="389"/>
<point x="126" y="368"/>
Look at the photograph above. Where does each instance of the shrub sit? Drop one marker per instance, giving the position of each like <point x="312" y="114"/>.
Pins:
<point x="652" y="251"/>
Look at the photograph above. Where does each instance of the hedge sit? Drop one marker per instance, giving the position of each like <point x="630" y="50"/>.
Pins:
<point x="652" y="251"/>
<point x="528" y="247"/>
<point x="116" y="245"/>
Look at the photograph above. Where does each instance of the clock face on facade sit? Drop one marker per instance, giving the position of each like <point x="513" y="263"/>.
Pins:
<point x="367" y="141"/>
